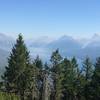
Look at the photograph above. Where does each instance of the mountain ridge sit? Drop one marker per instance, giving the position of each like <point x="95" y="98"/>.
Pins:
<point x="67" y="45"/>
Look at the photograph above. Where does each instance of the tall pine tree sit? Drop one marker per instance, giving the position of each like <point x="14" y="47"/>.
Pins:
<point x="70" y="78"/>
<point x="55" y="60"/>
<point x="16" y="76"/>
<point x="39" y="65"/>
<point x="88" y="72"/>
<point x="96" y="81"/>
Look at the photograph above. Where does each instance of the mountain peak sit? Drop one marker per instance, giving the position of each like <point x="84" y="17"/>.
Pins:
<point x="96" y="36"/>
<point x="65" y="37"/>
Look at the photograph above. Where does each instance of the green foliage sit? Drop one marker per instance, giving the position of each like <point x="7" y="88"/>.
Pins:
<point x="88" y="69"/>
<point x="87" y="73"/>
<point x="17" y="73"/>
<point x="96" y="81"/>
<point x="62" y="79"/>
<point x="69" y="79"/>
<point x="39" y="79"/>
<point x="8" y="96"/>
<point x="56" y="60"/>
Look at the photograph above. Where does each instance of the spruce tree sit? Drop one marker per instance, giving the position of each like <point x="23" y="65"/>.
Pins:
<point x="71" y="78"/>
<point x="55" y="60"/>
<point x="33" y="89"/>
<point x="96" y="81"/>
<point x="74" y="75"/>
<point x="64" y="76"/>
<point x="39" y="65"/>
<point x="88" y="72"/>
<point x="16" y="76"/>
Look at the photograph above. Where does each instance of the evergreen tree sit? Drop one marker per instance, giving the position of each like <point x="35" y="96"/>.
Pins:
<point x="39" y="65"/>
<point x="55" y="60"/>
<point x="33" y="90"/>
<point x="96" y="81"/>
<point x="70" y="68"/>
<point x="64" y="76"/>
<point x="88" y="72"/>
<point x="74" y="76"/>
<point x="88" y="69"/>
<point x="16" y="76"/>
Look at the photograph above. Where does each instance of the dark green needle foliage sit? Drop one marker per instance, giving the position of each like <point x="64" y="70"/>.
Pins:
<point x="16" y="76"/>
<point x="96" y="81"/>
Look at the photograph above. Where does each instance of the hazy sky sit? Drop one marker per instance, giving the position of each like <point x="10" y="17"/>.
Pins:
<point x="50" y="17"/>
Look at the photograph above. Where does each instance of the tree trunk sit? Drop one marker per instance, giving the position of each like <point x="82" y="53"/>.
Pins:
<point x="22" y="95"/>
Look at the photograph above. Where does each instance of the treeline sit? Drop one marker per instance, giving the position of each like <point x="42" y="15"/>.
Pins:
<point x="60" y="79"/>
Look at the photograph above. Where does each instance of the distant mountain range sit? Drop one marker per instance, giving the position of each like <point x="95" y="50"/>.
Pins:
<point x="44" y="46"/>
<point x="68" y="47"/>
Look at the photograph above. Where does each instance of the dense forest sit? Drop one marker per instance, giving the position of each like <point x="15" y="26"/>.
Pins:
<point x="58" y="79"/>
